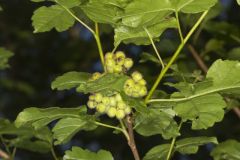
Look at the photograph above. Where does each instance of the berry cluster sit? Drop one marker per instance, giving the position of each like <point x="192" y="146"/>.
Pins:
<point x="113" y="105"/>
<point x="117" y="63"/>
<point x="135" y="86"/>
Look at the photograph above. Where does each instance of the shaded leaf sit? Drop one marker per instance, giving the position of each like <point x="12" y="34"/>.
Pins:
<point x="4" y="56"/>
<point x="229" y="150"/>
<point x="106" y="83"/>
<point x="139" y="36"/>
<point x="81" y="154"/>
<point x="156" y="122"/>
<point x="70" y="80"/>
<point x="39" y="118"/>
<point x="184" y="146"/>
<point x="66" y="128"/>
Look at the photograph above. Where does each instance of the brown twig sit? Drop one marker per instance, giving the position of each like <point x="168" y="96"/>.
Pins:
<point x="4" y="155"/>
<point x="198" y="59"/>
<point x="204" y="68"/>
<point x="131" y="141"/>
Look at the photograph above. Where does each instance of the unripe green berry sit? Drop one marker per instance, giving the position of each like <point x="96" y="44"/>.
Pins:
<point x="113" y="101"/>
<point x="128" y="91"/>
<point x="98" y="97"/>
<point x="120" y="114"/>
<point x="96" y="75"/>
<point x="117" y="68"/>
<point x="111" y="112"/>
<point x="105" y="100"/>
<point x="135" y="94"/>
<point x="129" y="83"/>
<point x="110" y="69"/>
<point x="91" y="104"/>
<point x="128" y="110"/>
<point x="121" y="105"/>
<point x="142" y="82"/>
<point x="120" y="54"/>
<point x="108" y="55"/>
<point x="137" y="88"/>
<point x="136" y="76"/>
<point x="110" y="63"/>
<point x="118" y="97"/>
<point x="91" y="97"/>
<point x="143" y="91"/>
<point x="101" y="108"/>
<point x="128" y="63"/>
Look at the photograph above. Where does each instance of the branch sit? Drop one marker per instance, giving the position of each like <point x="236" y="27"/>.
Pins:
<point x="4" y="155"/>
<point x="204" y="68"/>
<point x="198" y="59"/>
<point x="131" y="141"/>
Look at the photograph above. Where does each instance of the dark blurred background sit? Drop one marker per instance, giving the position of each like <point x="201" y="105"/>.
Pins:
<point x="39" y="58"/>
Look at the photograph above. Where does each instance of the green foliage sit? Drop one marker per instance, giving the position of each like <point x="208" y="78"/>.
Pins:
<point x="81" y="154"/>
<point x="156" y="122"/>
<point x="106" y="84"/>
<point x="184" y="146"/>
<point x="47" y="18"/>
<point x="229" y="150"/>
<point x="70" y="80"/>
<point x="66" y="128"/>
<point x="4" y="56"/>
<point x="39" y="118"/>
<point x="202" y="101"/>
<point x="26" y="137"/>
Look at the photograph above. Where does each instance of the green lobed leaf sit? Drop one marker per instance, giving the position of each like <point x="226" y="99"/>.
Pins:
<point x="4" y="56"/>
<point x="70" y="80"/>
<point x="229" y="150"/>
<point x="66" y="128"/>
<point x="201" y="102"/>
<point x="31" y="145"/>
<point x="225" y="76"/>
<point x="46" y="18"/>
<point x="203" y="111"/>
<point x="106" y="83"/>
<point x="190" y="145"/>
<point x="156" y="122"/>
<point x="139" y="12"/>
<point x="26" y="137"/>
<point x="39" y="118"/>
<point x="103" y="11"/>
<point x="184" y="146"/>
<point x="81" y="154"/>
<point x="139" y="35"/>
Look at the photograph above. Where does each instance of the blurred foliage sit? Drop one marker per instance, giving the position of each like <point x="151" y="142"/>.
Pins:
<point x="39" y="58"/>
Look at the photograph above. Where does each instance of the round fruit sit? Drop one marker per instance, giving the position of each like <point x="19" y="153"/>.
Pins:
<point x="91" y="104"/>
<point x="92" y="97"/>
<point x="143" y="91"/>
<point x="118" y="97"/>
<point x="136" y="76"/>
<point x="142" y="82"/>
<point x="101" y="108"/>
<point x="128" y="110"/>
<point x="121" y="105"/>
<point x="109" y="55"/>
<point x="117" y="69"/>
<point x="113" y="101"/>
<point x="96" y="75"/>
<point x="119" y="54"/>
<point x="111" y="112"/>
<point x="120" y="114"/>
<point x="128" y="63"/>
<point x="129" y="83"/>
<point x="105" y="100"/>
<point x="98" y="97"/>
